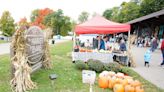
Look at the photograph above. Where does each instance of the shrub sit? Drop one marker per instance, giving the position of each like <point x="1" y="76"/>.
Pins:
<point x="95" y="65"/>
<point x="112" y="67"/>
<point x="81" y="65"/>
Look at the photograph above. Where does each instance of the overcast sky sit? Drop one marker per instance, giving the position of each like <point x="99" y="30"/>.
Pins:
<point x="72" y="8"/>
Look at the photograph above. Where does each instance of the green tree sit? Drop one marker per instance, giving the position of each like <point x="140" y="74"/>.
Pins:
<point x="125" y="12"/>
<point x="129" y="11"/>
<point x="66" y="26"/>
<point x="7" y="24"/>
<point x="83" y="17"/>
<point x="58" y="22"/>
<point x="150" y="6"/>
<point x="34" y="15"/>
<point x="108" y="14"/>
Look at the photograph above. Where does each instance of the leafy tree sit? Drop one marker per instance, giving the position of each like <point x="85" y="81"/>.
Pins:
<point x="129" y="11"/>
<point x="23" y="22"/>
<point x="124" y="13"/>
<point x="94" y="14"/>
<point x="150" y="6"/>
<point x="58" y="22"/>
<point x="83" y="17"/>
<point x="108" y="14"/>
<point x="34" y="15"/>
<point x="7" y="24"/>
<point x="38" y="15"/>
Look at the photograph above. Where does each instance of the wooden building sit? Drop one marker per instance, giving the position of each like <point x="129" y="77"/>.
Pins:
<point x="149" y="26"/>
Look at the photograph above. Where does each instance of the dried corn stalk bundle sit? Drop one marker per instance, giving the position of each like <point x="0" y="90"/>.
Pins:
<point x="130" y="55"/>
<point x="21" y="80"/>
<point x="47" y="64"/>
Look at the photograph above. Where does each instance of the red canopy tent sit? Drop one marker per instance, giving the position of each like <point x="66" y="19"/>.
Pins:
<point x="100" y="25"/>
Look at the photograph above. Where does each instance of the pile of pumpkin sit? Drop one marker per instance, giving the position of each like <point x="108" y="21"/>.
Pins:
<point x="119" y="82"/>
<point x="85" y="50"/>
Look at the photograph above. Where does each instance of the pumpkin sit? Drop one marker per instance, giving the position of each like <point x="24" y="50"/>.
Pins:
<point x="129" y="88"/>
<point x="111" y="83"/>
<point x="120" y="75"/>
<point x="129" y="79"/>
<point x="118" y="80"/>
<point x="118" y="88"/>
<point x="139" y="89"/>
<point x="82" y="50"/>
<point x="111" y="73"/>
<point x="136" y="83"/>
<point x="124" y="82"/>
<point x="103" y="82"/>
<point x="104" y="74"/>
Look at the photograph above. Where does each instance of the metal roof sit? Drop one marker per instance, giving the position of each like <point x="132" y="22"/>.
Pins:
<point x="155" y="14"/>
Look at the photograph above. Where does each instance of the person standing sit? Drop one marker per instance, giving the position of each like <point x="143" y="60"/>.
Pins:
<point x="95" y="42"/>
<point x="147" y="57"/>
<point x="101" y="44"/>
<point x="154" y="44"/>
<point x="162" y="50"/>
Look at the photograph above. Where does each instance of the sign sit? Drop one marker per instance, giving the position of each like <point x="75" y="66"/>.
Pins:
<point x="35" y="47"/>
<point x="88" y="76"/>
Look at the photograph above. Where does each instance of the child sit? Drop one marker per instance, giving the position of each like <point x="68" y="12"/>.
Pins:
<point x="147" y="57"/>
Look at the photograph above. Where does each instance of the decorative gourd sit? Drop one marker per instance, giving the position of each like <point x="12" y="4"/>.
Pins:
<point x="136" y="83"/>
<point x="118" y="88"/>
<point x="103" y="82"/>
<point x="129" y="88"/>
<point x="139" y="89"/>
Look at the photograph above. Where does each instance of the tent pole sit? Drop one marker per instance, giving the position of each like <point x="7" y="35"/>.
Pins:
<point x="128" y="45"/>
<point x="74" y="40"/>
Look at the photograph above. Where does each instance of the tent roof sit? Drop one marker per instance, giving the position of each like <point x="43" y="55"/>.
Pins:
<point x="100" y="25"/>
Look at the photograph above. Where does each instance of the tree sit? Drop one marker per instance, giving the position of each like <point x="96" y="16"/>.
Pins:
<point x="34" y="15"/>
<point x="125" y="12"/>
<point x="23" y="22"/>
<point x="38" y="15"/>
<point x="129" y="11"/>
<point x="150" y="6"/>
<point x="108" y="14"/>
<point x="7" y="24"/>
<point x="83" y="17"/>
<point x="58" y="22"/>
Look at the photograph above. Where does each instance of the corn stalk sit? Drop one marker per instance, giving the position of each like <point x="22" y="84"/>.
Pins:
<point x="21" y="80"/>
<point x="47" y="64"/>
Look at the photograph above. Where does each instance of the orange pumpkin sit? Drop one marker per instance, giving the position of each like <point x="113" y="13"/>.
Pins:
<point x="120" y="75"/>
<point x="118" y="80"/>
<point x="118" y="88"/>
<point x="111" y="83"/>
<point x="139" y="89"/>
<point x="136" y="83"/>
<point x="124" y="82"/>
<point x="129" y="88"/>
<point x="103" y="82"/>
<point x="111" y="73"/>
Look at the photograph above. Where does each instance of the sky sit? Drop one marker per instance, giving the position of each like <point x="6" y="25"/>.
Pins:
<point x="72" y="8"/>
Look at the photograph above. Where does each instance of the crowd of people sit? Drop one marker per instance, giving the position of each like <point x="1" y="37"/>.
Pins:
<point x="148" y="42"/>
<point x="104" y="43"/>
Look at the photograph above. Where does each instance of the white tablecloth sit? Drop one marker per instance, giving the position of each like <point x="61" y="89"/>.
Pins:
<point x="84" y="56"/>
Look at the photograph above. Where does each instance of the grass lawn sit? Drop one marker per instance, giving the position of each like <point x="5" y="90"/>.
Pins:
<point x="69" y="79"/>
<point x="2" y="41"/>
